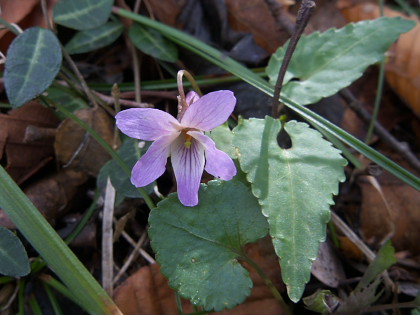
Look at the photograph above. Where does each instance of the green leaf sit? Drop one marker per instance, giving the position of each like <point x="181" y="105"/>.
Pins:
<point x="130" y="154"/>
<point x="67" y="98"/>
<point x="366" y="291"/>
<point x="13" y="258"/>
<point x="223" y="137"/>
<point x="324" y="63"/>
<point x="33" y="61"/>
<point x="294" y="187"/>
<point x="216" y="57"/>
<point x="35" y="228"/>
<point x="384" y="259"/>
<point x="417" y="299"/>
<point x="198" y="247"/>
<point x="82" y="14"/>
<point x="322" y="301"/>
<point x="95" y="38"/>
<point x="152" y="43"/>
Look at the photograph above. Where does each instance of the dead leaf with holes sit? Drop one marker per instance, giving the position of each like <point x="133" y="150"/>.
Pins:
<point x="26" y="139"/>
<point x="76" y="149"/>
<point x="403" y="64"/>
<point x="147" y="290"/>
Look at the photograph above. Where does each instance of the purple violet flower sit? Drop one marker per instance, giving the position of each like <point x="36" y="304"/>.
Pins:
<point x="190" y="149"/>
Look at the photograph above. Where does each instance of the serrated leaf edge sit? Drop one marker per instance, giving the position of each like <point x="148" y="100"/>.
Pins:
<point x="330" y="200"/>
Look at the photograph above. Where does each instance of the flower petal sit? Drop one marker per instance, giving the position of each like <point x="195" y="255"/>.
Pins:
<point x="152" y="164"/>
<point x="146" y="123"/>
<point x="188" y="164"/>
<point x="218" y="163"/>
<point x="191" y="97"/>
<point x="209" y="111"/>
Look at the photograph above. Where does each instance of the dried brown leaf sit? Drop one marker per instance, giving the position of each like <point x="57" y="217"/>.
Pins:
<point x="327" y="268"/>
<point x="76" y="149"/>
<point x="147" y="291"/>
<point x="167" y="11"/>
<point x="255" y="17"/>
<point x="319" y="22"/>
<point x="400" y="211"/>
<point x="52" y="195"/>
<point x="350" y="249"/>
<point x="25" y="157"/>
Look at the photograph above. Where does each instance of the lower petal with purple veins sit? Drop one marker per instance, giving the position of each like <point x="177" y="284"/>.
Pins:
<point x="188" y="165"/>
<point x="153" y="163"/>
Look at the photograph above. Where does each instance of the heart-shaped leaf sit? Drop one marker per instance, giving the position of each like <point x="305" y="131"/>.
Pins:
<point x="13" y="258"/>
<point x="82" y="14"/>
<point x="294" y="187"/>
<point x="94" y="38"/>
<point x="33" y="61"/>
<point x="324" y="63"/>
<point x="152" y="43"/>
<point x="198" y="247"/>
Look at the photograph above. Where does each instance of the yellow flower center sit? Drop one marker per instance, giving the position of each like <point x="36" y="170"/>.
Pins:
<point x="187" y="142"/>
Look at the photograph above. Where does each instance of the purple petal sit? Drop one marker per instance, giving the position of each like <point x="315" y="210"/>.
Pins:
<point x="152" y="164"/>
<point x="188" y="164"/>
<point x="218" y="163"/>
<point x="191" y="97"/>
<point x="209" y="111"/>
<point x="146" y="123"/>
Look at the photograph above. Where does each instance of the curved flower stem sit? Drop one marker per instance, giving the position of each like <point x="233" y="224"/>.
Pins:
<point x="191" y="79"/>
<point x="182" y="102"/>
<point x="269" y="284"/>
<point x="182" y="107"/>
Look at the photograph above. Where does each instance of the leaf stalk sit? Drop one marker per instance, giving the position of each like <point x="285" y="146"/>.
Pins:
<point x="303" y="16"/>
